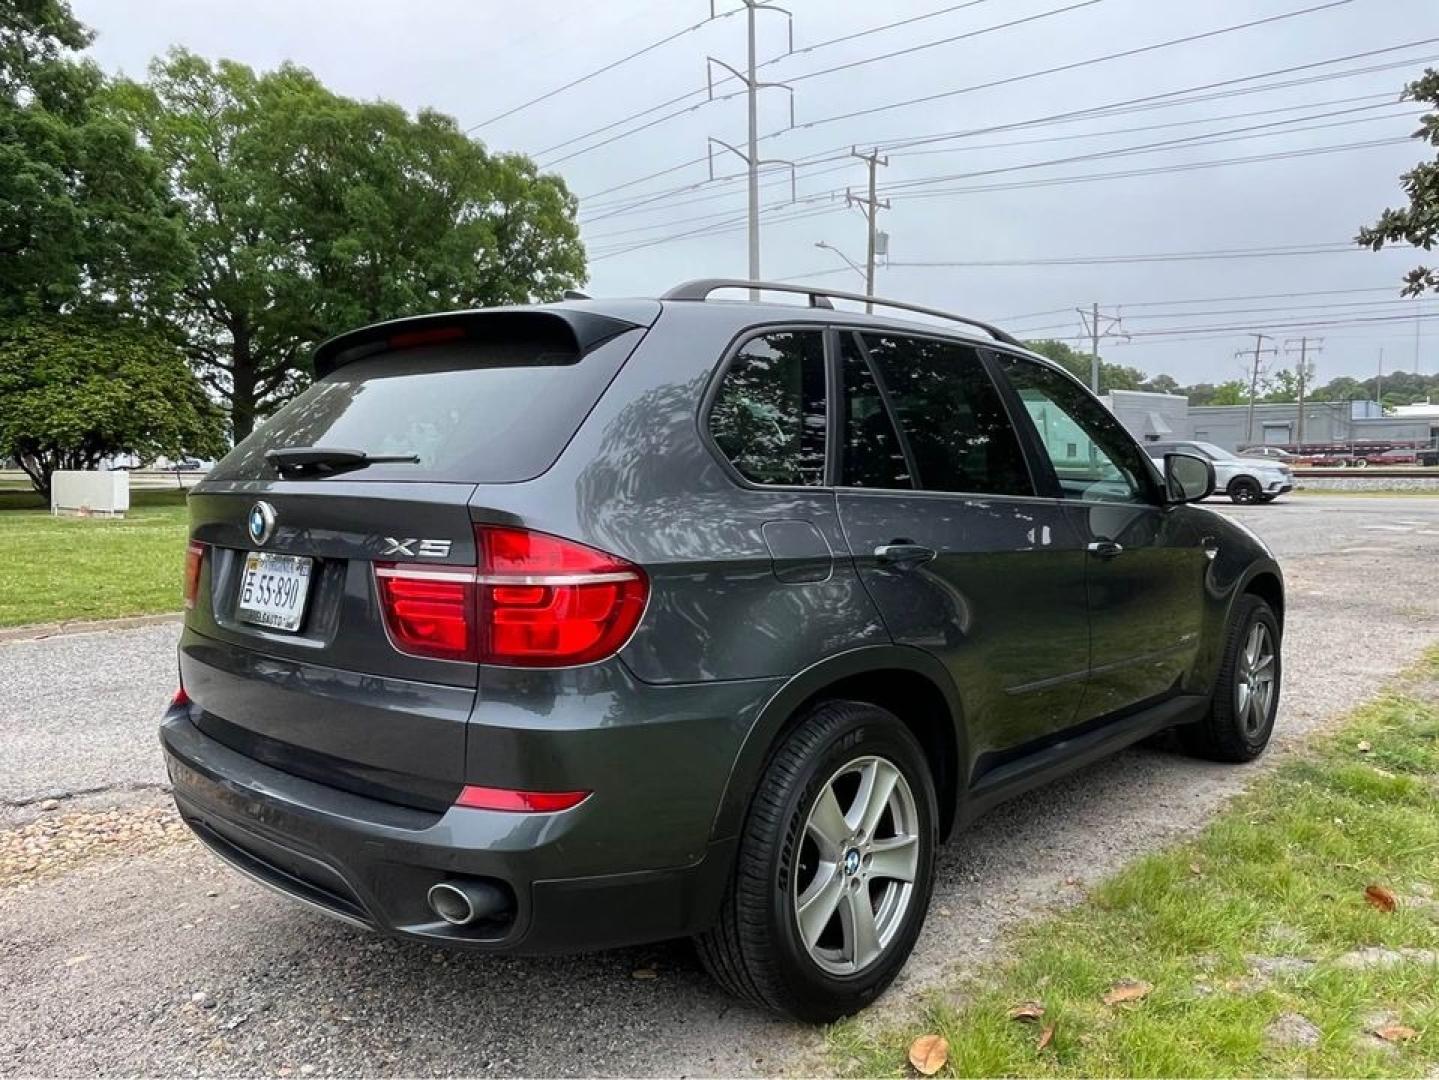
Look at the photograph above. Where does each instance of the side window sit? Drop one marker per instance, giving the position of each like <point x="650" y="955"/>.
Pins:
<point x="768" y="416"/>
<point x="873" y="457"/>
<point x="958" y="435"/>
<point x="1092" y="455"/>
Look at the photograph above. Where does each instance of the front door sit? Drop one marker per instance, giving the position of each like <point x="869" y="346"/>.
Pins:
<point x="1146" y="561"/>
<point x="962" y="557"/>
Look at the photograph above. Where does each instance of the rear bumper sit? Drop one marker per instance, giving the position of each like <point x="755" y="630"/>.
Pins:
<point x="371" y="862"/>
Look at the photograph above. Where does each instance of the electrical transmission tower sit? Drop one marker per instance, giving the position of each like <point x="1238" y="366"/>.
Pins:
<point x="1256" y="367"/>
<point x="1303" y="372"/>
<point x="1097" y="325"/>
<point x="750" y="156"/>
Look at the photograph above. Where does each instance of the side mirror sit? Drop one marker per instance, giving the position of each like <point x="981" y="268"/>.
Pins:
<point x="1187" y="477"/>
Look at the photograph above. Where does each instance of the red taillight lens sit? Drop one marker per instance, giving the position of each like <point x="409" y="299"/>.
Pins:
<point x="194" y="556"/>
<point x="179" y="699"/>
<point x="519" y="802"/>
<point x="429" y="612"/>
<point x="549" y="602"/>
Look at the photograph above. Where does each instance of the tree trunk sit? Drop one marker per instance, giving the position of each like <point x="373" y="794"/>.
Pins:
<point x="244" y="379"/>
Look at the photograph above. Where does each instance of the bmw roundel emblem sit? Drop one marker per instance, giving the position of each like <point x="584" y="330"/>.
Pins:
<point x="261" y="522"/>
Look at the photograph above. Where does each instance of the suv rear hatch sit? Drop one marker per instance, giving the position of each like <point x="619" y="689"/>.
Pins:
<point x="321" y="585"/>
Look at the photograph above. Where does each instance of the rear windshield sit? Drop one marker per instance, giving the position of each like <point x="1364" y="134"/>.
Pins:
<point x="480" y="413"/>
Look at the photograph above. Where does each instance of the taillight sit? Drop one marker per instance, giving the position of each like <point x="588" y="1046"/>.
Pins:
<point x="549" y="602"/>
<point x="429" y="612"/>
<point x="194" y="556"/>
<point x="534" y="601"/>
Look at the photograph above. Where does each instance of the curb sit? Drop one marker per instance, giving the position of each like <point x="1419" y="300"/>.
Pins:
<point x="39" y="631"/>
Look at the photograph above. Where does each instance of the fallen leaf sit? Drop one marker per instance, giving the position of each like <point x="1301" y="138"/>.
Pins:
<point x="1027" y="1012"/>
<point x="1045" y="1037"/>
<point x="1380" y="897"/>
<point x="1127" y="990"/>
<point x="1196" y="869"/>
<point x="1396" y="1033"/>
<point x="1364" y="746"/>
<point x="928" y="1053"/>
<point x="71" y="961"/>
<point x="644" y="973"/>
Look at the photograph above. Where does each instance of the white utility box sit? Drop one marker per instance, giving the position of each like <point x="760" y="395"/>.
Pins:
<point x="106" y="493"/>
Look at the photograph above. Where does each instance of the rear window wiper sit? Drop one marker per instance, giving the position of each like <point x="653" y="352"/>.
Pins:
<point x="329" y="459"/>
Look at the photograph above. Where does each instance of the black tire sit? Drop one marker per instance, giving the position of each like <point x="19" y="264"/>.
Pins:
<point x="754" y="950"/>
<point x="1243" y="489"/>
<point x="1267" y="498"/>
<point x="1224" y="735"/>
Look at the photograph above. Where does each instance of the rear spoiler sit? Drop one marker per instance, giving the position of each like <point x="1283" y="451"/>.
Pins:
<point x="570" y="329"/>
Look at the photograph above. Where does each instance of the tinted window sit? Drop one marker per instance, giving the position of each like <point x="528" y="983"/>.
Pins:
<point x="950" y="415"/>
<point x="477" y="412"/>
<point x="873" y="457"/>
<point x="768" y="417"/>
<point x="1093" y="457"/>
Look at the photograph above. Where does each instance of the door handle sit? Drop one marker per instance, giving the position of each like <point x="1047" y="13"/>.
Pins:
<point x="903" y="554"/>
<point x="1104" y="549"/>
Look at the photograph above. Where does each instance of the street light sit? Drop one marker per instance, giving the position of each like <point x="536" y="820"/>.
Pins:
<point x="852" y="265"/>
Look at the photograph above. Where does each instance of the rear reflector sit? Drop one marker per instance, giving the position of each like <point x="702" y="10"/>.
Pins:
<point x="519" y="802"/>
<point x="179" y="699"/>
<point x="534" y="601"/>
<point x="194" y="556"/>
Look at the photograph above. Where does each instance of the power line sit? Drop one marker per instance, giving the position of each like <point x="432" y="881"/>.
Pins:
<point x="1158" y="256"/>
<point x="599" y="71"/>
<point x="1074" y="65"/>
<point x="626" y="207"/>
<point x="618" y="136"/>
<point x="905" y="188"/>
<point x="1192" y="166"/>
<point x="703" y="91"/>
<point x="1146" y="103"/>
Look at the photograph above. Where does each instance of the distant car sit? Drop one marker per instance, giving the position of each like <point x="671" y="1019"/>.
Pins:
<point x="1243" y="479"/>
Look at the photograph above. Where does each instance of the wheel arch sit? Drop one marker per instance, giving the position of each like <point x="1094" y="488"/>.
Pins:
<point x="906" y="681"/>
<point x="1266" y="583"/>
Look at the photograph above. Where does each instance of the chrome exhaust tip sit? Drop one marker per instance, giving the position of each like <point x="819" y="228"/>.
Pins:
<point x="461" y="903"/>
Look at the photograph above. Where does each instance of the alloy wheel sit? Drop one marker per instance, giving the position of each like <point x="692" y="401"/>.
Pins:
<point x="859" y="854"/>
<point x="1254" y="681"/>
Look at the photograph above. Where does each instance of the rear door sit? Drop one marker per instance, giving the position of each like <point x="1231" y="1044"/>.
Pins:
<point x="1145" y="564"/>
<point x="328" y="630"/>
<point x="962" y="557"/>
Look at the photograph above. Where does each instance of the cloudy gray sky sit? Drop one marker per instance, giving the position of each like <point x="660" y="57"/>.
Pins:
<point x="1004" y="190"/>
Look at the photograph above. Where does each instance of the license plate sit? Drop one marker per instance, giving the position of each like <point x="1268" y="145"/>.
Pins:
<point x="273" y="589"/>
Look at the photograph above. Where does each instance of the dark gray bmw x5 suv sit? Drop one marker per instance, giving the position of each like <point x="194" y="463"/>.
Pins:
<point x="595" y="623"/>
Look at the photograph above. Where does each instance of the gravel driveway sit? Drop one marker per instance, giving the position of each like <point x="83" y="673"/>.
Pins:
<point x="166" y="962"/>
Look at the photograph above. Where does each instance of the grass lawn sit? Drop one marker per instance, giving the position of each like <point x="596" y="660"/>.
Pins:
<point x="1258" y="927"/>
<point x="57" y="569"/>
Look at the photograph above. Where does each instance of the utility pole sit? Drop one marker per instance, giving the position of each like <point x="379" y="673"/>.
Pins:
<point x="870" y="206"/>
<point x="1379" y="383"/>
<point x="1096" y="326"/>
<point x="1302" y="374"/>
<point x="1259" y="350"/>
<point x="751" y="156"/>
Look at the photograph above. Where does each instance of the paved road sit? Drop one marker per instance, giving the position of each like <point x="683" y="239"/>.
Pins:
<point x="102" y="964"/>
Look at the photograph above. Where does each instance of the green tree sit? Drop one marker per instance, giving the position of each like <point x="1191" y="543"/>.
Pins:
<point x="1111" y="376"/>
<point x="1418" y="223"/>
<point x="311" y="213"/>
<point x="1233" y="392"/>
<point x="83" y="212"/>
<point x="76" y="389"/>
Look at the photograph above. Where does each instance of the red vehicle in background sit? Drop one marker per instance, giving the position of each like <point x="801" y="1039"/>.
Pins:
<point x="1351" y="455"/>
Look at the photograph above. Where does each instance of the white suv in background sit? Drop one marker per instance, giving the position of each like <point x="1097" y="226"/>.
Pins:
<point x="1243" y="479"/>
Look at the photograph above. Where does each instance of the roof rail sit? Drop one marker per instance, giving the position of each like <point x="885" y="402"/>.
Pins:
<point x="701" y="288"/>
